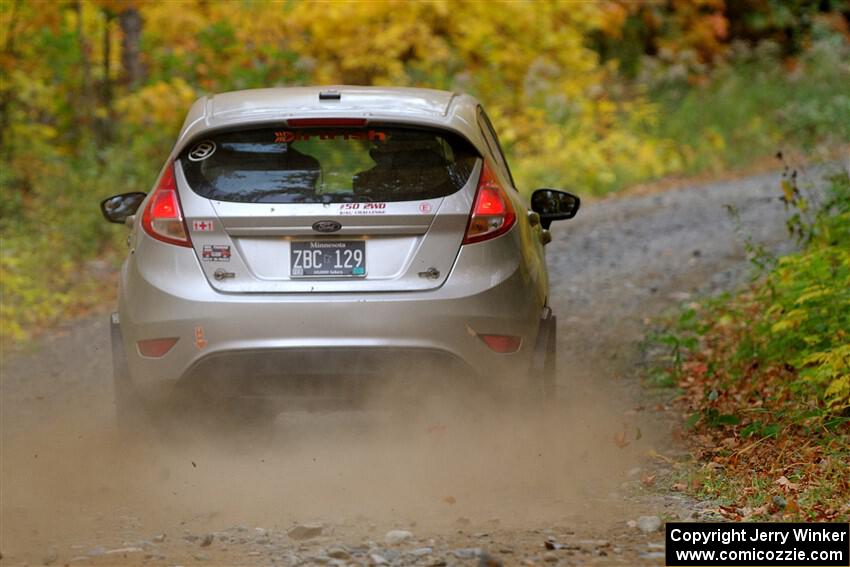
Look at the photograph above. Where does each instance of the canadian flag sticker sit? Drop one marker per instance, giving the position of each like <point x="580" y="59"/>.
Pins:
<point x="202" y="226"/>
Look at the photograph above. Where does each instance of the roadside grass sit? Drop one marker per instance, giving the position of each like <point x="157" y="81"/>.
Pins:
<point x="754" y="104"/>
<point x="762" y="377"/>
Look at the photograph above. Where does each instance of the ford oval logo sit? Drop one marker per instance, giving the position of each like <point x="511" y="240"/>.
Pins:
<point x="326" y="226"/>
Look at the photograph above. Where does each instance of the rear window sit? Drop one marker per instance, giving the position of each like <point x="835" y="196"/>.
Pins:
<point x="328" y="165"/>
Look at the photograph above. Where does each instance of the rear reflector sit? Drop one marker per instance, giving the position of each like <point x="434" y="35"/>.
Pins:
<point x="492" y="213"/>
<point x="503" y="344"/>
<point x="307" y="122"/>
<point x="156" y="348"/>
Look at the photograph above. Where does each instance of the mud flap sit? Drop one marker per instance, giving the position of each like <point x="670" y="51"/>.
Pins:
<point x="543" y="364"/>
<point x="128" y="412"/>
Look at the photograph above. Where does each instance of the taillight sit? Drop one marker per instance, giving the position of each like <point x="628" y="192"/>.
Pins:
<point x="163" y="217"/>
<point x="492" y="213"/>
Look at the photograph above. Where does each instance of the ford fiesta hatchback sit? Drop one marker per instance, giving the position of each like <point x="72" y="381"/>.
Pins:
<point x="309" y="244"/>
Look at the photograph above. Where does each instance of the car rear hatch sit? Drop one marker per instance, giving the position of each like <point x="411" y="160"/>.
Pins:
<point x="327" y="205"/>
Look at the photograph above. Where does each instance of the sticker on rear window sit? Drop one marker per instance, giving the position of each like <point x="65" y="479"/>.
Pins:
<point x="202" y="151"/>
<point x="286" y="136"/>
<point x="216" y="253"/>
<point x="362" y="208"/>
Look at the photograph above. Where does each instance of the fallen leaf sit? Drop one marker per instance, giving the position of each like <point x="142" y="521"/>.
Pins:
<point x="449" y="500"/>
<point x="648" y="480"/>
<point x="679" y="487"/>
<point x="762" y="510"/>
<point x="792" y="508"/>
<point x="786" y="484"/>
<point x="652" y="453"/>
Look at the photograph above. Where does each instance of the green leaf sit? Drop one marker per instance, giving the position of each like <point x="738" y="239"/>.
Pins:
<point x="692" y="420"/>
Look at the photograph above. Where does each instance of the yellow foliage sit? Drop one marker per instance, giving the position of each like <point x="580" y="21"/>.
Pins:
<point x="835" y="365"/>
<point x="813" y="292"/>
<point x="162" y="104"/>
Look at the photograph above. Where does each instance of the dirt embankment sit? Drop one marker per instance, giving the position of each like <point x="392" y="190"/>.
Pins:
<point x="463" y="482"/>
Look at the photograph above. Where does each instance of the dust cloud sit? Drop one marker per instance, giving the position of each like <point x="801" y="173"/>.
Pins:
<point x="72" y="480"/>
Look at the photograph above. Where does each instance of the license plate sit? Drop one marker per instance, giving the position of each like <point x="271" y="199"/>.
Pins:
<point x="327" y="258"/>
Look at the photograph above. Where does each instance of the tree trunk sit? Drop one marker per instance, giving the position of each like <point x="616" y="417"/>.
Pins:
<point x="84" y="106"/>
<point x="105" y="123"/>
<point x="131" y="33"/>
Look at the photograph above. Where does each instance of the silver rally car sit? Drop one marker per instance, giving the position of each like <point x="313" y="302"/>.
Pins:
<point x="310" y="244"/>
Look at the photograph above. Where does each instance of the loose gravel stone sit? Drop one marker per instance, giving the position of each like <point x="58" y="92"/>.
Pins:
<point x="338" y="552"/>
<point x="123" y="550"/>
<point x="305" y="531"/>
<point x="395" y="537"/>
<point x="487" y="560"/>
<point x="467" y="552"/>
<point x="649" y="524"/>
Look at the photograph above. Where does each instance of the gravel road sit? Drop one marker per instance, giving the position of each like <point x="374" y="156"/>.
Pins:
<point x="455" y="487"/>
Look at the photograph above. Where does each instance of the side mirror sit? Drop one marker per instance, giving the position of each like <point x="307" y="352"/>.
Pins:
<point x="553" y="205"/>
<point x="118" y="207"/>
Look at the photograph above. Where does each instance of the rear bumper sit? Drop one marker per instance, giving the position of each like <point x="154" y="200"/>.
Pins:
<point x="280" y="339"/>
